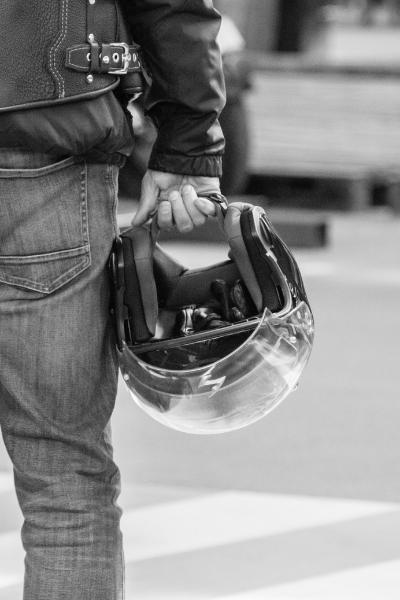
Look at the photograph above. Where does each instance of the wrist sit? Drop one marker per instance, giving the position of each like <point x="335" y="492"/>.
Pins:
<point x="206" y="165"/>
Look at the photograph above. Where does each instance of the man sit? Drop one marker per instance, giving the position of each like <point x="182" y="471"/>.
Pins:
<point x="63" y="135"/>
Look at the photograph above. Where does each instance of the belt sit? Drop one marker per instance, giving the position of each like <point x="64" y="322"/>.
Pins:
<point x="114" y="58"/>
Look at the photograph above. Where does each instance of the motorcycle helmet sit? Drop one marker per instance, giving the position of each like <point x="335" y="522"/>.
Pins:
<point x="211" y="350"/>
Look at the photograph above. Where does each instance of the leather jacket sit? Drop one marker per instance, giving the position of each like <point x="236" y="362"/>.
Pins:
<point x="61" y="50"/>
<point x="177" y="39"/>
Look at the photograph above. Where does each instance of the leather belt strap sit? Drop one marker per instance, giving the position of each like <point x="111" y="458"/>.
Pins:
<point x="114" y="58"/>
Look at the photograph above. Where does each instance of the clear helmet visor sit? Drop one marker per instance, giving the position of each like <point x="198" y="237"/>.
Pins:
<point x="229" y="388"/>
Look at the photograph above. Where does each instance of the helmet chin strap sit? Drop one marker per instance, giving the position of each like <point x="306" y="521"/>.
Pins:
<point x="233" y="231"/>
<point x="216" y="362"/>
<point x="153" y="281"/>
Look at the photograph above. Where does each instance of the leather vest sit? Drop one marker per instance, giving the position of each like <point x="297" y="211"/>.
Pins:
<point x="55" y="51"/>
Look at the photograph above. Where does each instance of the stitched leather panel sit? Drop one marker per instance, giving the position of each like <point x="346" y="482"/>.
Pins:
<point x="26" y="30"/>
<point x="36" y="36"/>
<point x="75" y="82"/>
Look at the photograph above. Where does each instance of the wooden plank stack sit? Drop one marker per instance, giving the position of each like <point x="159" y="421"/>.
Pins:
<point x="328" y="125"/>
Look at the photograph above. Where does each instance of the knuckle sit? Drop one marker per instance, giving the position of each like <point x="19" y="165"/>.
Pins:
<point x="164" y="220"/>
<point x="174" y="197"/>
<point x="200" y="220"/>
<point x="188" y="192"/>
<point x="165" y="208"/>
<point x="185" y="227"/>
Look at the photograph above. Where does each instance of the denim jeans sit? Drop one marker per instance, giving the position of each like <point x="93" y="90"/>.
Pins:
<point x="58" y="371"/>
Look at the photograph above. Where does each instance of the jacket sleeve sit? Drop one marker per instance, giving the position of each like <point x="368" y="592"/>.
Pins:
<point x="178" y="41"/>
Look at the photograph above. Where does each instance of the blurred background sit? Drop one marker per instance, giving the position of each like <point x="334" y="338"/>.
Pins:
<point x="305" y="504"/>
<point x="312" y="102"/>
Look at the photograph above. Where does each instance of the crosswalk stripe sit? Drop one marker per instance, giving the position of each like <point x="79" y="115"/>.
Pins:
<point x="11" y="559"/>
<point x="350" y="276"/>
<point x="210" y="521"/>
<point x="375" y="582"/>
<point x="268" y="562"/>
<point x="229" y="517"/>
<point x="6" y="482"/>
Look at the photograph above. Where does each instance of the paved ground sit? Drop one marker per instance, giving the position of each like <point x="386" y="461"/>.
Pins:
<point x="303" y="505"/>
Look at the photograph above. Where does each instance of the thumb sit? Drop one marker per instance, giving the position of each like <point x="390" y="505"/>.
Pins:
<point x="206" y="206"/>
<point x="148" y="200"/>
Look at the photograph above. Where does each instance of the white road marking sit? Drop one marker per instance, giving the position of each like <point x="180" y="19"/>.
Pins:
<point x="11" y="559"/>
<point x="316" y="268"/>
<point x="231" y="517"/>
<point x="208" y="521"/>
<point x="375" y="582"/>
<point x="6" y="481"/>
<point x="388" y="277"/>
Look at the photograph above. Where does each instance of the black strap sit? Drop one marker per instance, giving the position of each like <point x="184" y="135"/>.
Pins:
<point x="97" y="56"/>
<point x="103" y="58"/>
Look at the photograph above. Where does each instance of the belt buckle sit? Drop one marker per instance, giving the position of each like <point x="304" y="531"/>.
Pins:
<point x="126" y="58"/>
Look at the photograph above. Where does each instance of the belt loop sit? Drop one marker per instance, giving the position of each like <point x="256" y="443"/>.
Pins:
<point x="94" y="57"/>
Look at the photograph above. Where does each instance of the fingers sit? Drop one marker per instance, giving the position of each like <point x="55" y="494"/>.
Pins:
<point x="189" y="197"/>
<point x="184" y="210"/>
<point x="205" y="206"/>
<point x="179" y="207"/>
<point x="164" y="215"/>
<point x="181" y="217"/>
<point x="148" y="200"/>
<point x="175" y="199"/>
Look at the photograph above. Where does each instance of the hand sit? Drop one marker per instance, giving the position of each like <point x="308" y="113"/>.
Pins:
<point x="177" y="199"/>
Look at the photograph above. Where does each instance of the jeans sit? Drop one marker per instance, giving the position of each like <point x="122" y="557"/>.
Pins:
<point x="58" y="371"/>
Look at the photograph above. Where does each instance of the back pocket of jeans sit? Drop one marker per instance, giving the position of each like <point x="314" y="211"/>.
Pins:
<point x="44" y="237"/>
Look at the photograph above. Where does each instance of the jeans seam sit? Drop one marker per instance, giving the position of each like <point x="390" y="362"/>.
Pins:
<point x="84" y="205"/>
<point x="58" y="389"/>
<point x="15" y="259"/>
<point x="32" y="173"/>
<point x="84" y="250"/>
<point x="123" y="572"/>
<point x="56" y="283"/>
<point x="111" y="181"/>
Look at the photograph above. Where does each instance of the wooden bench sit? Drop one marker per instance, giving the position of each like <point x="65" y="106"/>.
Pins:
<point x="327" y="122"/>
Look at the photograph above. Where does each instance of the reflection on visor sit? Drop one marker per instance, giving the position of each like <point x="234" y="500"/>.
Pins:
<point x="237" y="388"/>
